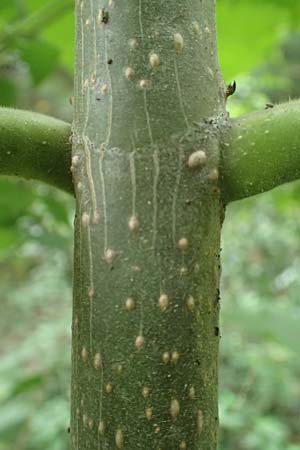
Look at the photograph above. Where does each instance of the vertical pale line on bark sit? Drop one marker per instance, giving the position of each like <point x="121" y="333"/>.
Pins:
<point x="145" y="93"/>
<point x="183" y="259"/>
<point x="82" y="52"/>
<point x="87" y="152"/>
<point x="140" y="21"/>
<point x="87" y="112"/>
<point x="103" y="200"/>
<point x="94" y="38"/>
<point x="156" y="171"/>
<point x="103" y="146"/>
<point x="76" y="378"/>
<point x="77" y="433"/>
<point x="80" y="301"/>
<point x="87" y="148"/>
<point x="180" y="94"/>
<point x="148" y="117"/>
<point x="155" y="182"/>
<point x="176" y="187"/>
<point x="133" y="180"/>
<point x="91" y="287"/>
<point x="141" y="317"/>
<point x="76" y="81"/>
<point x="155" y="153"/>
<point x="109" y="121"/>
<point x="80" y="244"/>
<point x="100" y="405"/>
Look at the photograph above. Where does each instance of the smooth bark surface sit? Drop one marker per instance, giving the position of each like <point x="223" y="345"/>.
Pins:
<point x="149" y="104"/>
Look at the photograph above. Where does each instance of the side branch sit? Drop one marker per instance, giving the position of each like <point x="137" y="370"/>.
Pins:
<point x="261" y="151"/>
<point x="34" y="146"/>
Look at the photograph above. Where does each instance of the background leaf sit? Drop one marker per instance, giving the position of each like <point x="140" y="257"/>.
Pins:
<point x="42" y="58"/>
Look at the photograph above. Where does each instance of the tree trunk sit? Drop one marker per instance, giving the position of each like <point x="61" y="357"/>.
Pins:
<point x="149" y="106"/>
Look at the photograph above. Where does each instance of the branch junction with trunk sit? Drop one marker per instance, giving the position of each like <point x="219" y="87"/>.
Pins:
<point x="260" y="150"/>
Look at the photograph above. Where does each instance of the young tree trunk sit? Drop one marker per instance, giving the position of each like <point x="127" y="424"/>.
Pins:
<point x="149" y="105"/>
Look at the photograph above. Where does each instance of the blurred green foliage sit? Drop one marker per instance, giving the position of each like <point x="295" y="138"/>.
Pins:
<point x="35" y="290"/>
<point x="259" y="42"/>
<point x="260" y="369"/>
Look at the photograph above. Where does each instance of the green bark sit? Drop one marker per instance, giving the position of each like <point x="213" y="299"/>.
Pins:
<point x="34" y="23"/>
<point x="149" y="104"/>
<point x="34" y="146"/>
<point x="261" y="151"/>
